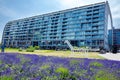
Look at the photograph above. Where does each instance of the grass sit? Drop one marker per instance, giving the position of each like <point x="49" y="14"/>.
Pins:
<point x="6" y="78"/>
<point x="11" y="50"/>
<point x="67" y="53"/>
<point x="104" y="75"/>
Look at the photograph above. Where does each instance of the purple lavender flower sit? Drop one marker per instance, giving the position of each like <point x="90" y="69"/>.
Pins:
<point x="34" y="67"/>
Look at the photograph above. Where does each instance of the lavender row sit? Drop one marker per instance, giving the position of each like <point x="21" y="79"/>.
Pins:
<point x="14" y="66"/>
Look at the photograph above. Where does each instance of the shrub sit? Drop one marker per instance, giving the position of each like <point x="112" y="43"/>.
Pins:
<point x="76" y="47"/>
<point x="45" y="66"/>
<point x="37" y="47"/>
<point x="6" y="78"/>
<point x="96" y="64"/>
<point x="74" y="62"/>
<point x="30" y="49"/>
<point x="1" y="62"/>
<point x="50" y="78"/>
<point x="64" y="72"/>
<point x="20" y="49"/>
<point x="103" y="75"/>
<point x="84" y="47"/>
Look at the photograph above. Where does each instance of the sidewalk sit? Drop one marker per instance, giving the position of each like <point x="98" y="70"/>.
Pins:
<point x="111" y="56"/>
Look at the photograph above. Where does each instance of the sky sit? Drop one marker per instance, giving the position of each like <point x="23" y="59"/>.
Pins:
<point x="17" y="9"/>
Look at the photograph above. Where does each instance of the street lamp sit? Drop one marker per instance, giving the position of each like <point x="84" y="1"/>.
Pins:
<point x="3" y="46"/>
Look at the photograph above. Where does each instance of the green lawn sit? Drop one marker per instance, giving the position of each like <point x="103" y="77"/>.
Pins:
<point x="57" y="53"/>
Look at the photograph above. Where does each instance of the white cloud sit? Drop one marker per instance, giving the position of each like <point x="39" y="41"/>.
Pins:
<point x="115" y="11"/>
<point x="76" y="3"/>
<point x="64" y="4"/>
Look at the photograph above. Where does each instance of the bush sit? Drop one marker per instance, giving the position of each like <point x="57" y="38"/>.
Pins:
<point x="84" y="47"/>
<point x="96" y="64"/>
<point x="45" y="67"/>
<point x="74" y="62"/>
<point x="20" y="49"/>
<point x="64" y="72"/>
<point x="37" y="47"/>
<point x="6" y="78"/>
<point x="76" y="47"/>
<point x="30" y="49"/>
<point x="104" y="75"/>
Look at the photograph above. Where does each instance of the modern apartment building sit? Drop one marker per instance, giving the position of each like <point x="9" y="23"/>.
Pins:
<point x="82" y="26"/>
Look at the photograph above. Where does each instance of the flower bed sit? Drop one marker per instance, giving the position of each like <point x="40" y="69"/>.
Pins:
<point x="34" y="67"/>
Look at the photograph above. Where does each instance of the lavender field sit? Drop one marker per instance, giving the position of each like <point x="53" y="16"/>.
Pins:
<point x="34" y="67"/>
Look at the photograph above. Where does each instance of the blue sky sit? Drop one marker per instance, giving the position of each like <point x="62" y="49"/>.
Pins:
<point x="16" y="9"/>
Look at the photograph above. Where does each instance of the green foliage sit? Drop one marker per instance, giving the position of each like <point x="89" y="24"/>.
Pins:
<point x="72" y="77"/>
<point x="80" y="72"/>
<point x="103" y="75"/>
<point x="4" y="68"/>
<point x="30" y="49"/>
<point x="6" y="78"/>
<point x="96" y="64"/>
<point x="0" y="62"/>
<point x="20" y="49"/>
<point x="23" y="59"/>
<point x="64" y="72"/>
<point x="24" y="78"/>
<point x="84" y="47"/>
<point x="75" y="47"/>
<point x="45" y="66"/>
<point x="50" y="78"/>
<point x="74" y="62"/>
<point x="37" y="47"/>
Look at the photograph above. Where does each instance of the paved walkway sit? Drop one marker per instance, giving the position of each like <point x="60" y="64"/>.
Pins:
<point x="111" y="56"/>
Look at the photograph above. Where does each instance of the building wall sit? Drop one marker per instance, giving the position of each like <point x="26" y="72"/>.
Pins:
<point x="116" y="38"/>
<point x="82" y="26"/>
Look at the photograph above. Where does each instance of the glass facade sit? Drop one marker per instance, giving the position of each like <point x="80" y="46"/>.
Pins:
<point x="116" y="38"/>
<point x="82" y="26"/>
